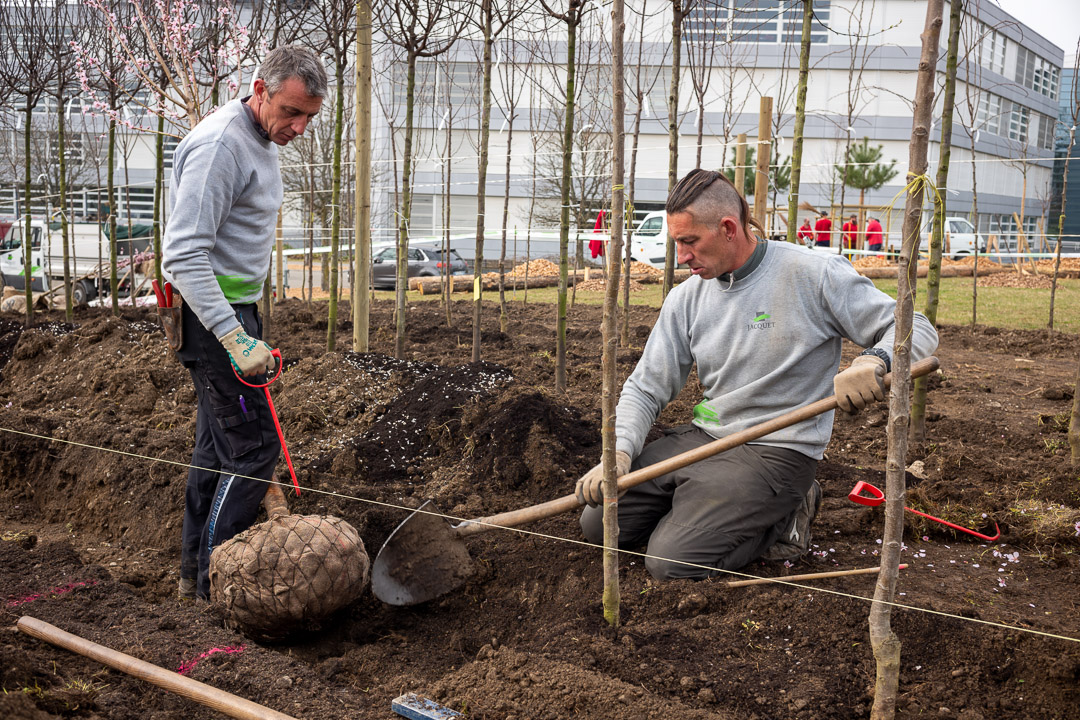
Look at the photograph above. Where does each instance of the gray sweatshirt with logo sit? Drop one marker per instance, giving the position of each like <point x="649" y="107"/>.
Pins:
<point x="769" y="344"/>
<point x="226" y="192"/>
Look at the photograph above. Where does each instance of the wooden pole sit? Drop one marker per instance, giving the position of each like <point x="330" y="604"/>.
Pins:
<point x="231" y="705"/>
<point x="740" y="162"/>
<point x="807" y="576"/>
<point x="361" y="305"/>
<point x="764" y="155"/>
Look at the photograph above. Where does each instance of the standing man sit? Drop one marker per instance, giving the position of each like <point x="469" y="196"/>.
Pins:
<point x="805" y="233"/>
<point x="823" y="230"/>
<point x="763" y="322"/>
<point x="874" y="236"/>
<point x="849" y="235"/>
<point x="226" y="193"/>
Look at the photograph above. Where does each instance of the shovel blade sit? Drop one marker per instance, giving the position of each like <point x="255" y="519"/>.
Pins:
<point x="422" y="559"/>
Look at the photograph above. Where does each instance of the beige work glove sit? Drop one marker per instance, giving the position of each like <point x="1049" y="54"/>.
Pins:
<point x="248" y="355"/>
<point x="861" y="383"/>
<point x="589" y="488"/>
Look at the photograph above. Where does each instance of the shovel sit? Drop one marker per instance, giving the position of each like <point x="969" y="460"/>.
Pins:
<point x="426" y="557"/>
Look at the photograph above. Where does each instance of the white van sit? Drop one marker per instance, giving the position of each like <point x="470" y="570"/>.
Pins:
<point x="962" y="237"/>
<point x="648" y="243"/>
<point x="88" y="245"/>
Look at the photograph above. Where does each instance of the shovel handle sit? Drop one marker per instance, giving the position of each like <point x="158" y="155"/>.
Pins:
<point x="523" y="516"/>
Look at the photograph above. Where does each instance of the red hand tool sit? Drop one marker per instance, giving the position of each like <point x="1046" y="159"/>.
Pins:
<point x="168" y="294"/>
<point x="265" y="387"/>
<point x="158" y="294"/>
<point x="856" y="496"/>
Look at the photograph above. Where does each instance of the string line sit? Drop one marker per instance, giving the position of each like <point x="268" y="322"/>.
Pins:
<point x="557" y="538"/>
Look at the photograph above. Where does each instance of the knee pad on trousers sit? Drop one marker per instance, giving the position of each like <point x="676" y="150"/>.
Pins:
<point x="592" y="524"/>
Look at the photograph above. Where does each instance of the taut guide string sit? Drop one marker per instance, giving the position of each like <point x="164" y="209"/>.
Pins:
<point x="778" y="581"/>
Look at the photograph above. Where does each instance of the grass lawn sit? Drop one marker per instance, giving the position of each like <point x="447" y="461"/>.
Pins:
<point x="1003" y="307"/>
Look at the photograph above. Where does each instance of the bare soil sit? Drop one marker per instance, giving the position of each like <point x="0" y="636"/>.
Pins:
<point x="97" y="423"/>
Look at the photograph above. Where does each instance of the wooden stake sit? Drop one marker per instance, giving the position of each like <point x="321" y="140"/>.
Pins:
<point x="808" y="576"/>
<point x="764" y="156"/>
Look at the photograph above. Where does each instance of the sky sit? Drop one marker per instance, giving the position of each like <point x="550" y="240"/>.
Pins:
<point x="1056" y="20"/>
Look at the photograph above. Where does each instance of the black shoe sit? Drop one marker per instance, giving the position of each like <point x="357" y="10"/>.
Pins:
<point x="795" y="542"/>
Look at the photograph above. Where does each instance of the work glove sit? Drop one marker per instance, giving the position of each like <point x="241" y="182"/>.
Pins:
<point x="248" y="355"/>
<point x="861" y="383"/>
<point x="589" y="489"/>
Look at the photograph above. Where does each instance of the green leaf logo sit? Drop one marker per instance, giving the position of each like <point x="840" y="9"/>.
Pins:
<point x="761" y="316"/>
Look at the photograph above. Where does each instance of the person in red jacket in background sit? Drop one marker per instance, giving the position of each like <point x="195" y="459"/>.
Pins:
<point x="823" y="231"/>
<point x="874" y="236"/>
<point x="805" y="233"/>
<point x="849" y="235"/>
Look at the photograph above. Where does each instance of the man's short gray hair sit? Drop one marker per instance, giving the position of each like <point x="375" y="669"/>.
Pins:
<point x="294" y="61"/>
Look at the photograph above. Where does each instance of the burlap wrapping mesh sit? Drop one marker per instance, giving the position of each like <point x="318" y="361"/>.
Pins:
<point x="288" y="573"/>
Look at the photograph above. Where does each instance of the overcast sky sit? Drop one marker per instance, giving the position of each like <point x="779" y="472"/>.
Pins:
<point x="1056" y="20"/>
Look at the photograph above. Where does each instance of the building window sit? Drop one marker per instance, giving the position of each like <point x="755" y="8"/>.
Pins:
<point x="168" y="147"/>
<point x="73" y="147"/>
<point x="989" y="116"/>
<point x="991" y="50"/>
<point x="1035" y="73"/>
<point x="1046" y="131"/>
<point x="754" y="21"/>
<point x="1019" y="119"/>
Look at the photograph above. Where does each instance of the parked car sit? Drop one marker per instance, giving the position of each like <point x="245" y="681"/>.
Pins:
<point x="425" y="260"/>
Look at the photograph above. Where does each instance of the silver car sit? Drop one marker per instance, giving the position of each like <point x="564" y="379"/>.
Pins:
<point x="425" y="260"/>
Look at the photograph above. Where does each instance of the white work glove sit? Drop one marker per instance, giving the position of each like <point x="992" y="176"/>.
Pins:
<point x="589" y="488"/>
<point x="248" y="355"/>
<point x="861" y="383"/>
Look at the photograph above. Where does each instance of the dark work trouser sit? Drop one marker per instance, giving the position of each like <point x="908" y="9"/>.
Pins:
<point x="722" y="513"/>
<point x="235" y="440"/>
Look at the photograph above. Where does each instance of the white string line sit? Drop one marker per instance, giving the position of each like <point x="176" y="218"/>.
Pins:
<point x="585" y="543"/>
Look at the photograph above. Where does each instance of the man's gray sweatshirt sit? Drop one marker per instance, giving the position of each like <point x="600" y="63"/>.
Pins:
<point x="768" y="344"/>
<point x="226" y="192"/>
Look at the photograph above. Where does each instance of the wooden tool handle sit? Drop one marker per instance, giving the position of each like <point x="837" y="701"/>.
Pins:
<point x="231" y="705"/>
<point x="808" y="576"/>
<point x="566" y="503"/>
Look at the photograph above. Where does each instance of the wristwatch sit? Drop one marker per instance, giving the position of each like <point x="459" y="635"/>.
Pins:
<point x="878" y="352"/>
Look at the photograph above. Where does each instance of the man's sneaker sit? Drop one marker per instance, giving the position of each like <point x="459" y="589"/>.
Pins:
<point x="795" y="542"/>
<point x="187" y="588"/>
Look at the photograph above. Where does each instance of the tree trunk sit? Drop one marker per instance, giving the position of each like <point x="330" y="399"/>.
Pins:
<point x="28" y="234"/>
<point x="481" y="181"/>
<point x="885" y="643"/>
<point x="1061" y="226"/>
<point x="630" y="220"/>
<point x="335" y="200"/>
<point x="362" y="214"/>
<point x="933" y="276"/>
<point x="564" y="212"/>
<point x="1074" y="422"/>
<point x="159" y="195"/>
<point x="110" y="175"/>
<point x="673" y="133"/>
<point x="503" y="318"/>
<point x="402" y="282"/>
<point x="609" y="391"/>
<point x="69" y="315"/>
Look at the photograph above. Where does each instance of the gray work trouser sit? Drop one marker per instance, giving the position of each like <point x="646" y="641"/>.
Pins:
<point x="721" y="513"/>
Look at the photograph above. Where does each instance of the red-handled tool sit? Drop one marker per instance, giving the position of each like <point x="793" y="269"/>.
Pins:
<point x="265" y="387"/>
<point x="158" y="294"/>
<point x="856" y="496"/>
<point x="168" y="294"/>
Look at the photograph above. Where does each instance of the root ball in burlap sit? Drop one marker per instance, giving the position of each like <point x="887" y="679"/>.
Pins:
<point x="288" y="574"/>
